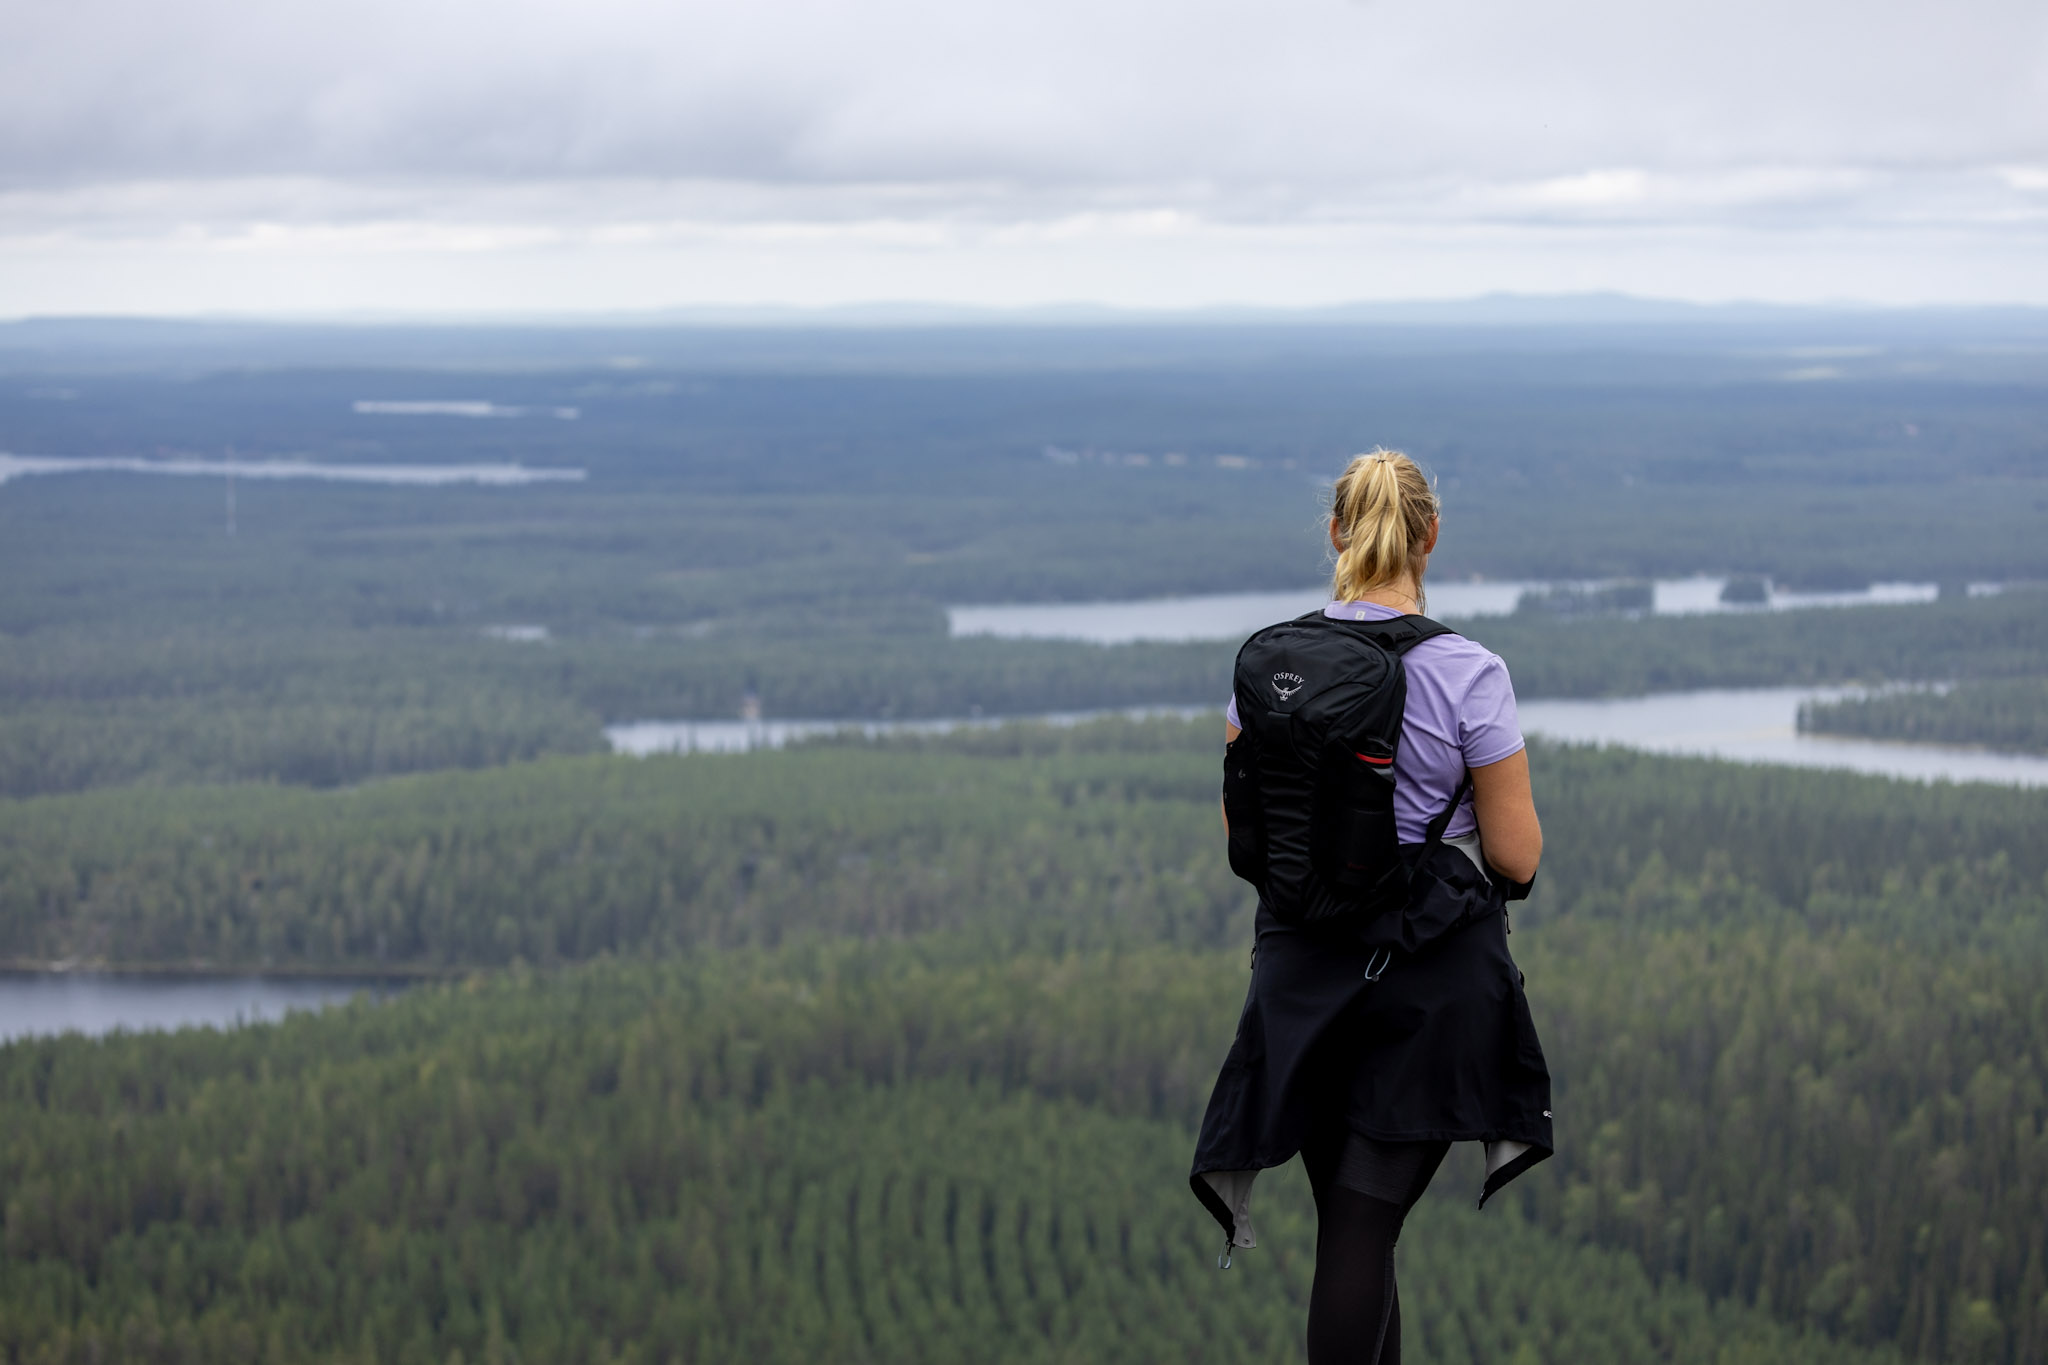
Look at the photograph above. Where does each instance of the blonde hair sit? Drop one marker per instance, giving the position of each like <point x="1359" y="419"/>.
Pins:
<point x="1383" y="506"/>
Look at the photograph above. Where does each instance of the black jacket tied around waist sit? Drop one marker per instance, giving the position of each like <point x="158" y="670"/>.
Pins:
<point x="1413" y="1028"/>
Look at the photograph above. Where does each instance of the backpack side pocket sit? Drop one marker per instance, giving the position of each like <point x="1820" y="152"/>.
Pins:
<point x="1241" y="809"/>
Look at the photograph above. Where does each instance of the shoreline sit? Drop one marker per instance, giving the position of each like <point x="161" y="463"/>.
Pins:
<point x="1920" y="745"/>
<point x="209" y="971"/>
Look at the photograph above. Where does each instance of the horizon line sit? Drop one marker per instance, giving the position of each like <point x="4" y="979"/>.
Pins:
<point x="1494" y="307"/>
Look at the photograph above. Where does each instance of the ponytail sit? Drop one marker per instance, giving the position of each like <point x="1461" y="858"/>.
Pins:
<point x="1383" y="506"/>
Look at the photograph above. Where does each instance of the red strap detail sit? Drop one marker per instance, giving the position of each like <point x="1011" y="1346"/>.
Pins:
<point x="1376" y="762"/>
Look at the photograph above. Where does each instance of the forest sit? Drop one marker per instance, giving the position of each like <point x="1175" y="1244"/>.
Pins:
<point x="835" y="473"/>
<point x="881" y="1049"/>
<point x="1057" y="840"/>
<point x="1998" y="713"/>
<point x="789" y="513"/>
<point x="306" y="708"/>
<point x="1844" y="973"/>
<point x="855" y="1153"/>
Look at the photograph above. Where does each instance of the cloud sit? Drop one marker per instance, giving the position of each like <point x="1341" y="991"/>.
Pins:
<point x="478" y="126"/>
<point x="1060" y="92"/>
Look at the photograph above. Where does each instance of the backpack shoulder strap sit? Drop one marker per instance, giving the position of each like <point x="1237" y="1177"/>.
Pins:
<point x="1434" y="835"/>
<point x="1398" y="634"/>
<point x="1421" y="628"/>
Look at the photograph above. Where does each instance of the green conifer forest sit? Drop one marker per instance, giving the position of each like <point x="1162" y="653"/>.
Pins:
<point x="2009" y="714"/>
<point x="892" y="1049"/>
<point x="798" y="1052"/>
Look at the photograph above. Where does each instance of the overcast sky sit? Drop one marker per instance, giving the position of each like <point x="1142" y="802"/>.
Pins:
<point x="482" y="155"/>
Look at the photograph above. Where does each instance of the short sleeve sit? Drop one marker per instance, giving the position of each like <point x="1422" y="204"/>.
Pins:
<point x="1489" y="729"/>
<point x="1230" y="714"/>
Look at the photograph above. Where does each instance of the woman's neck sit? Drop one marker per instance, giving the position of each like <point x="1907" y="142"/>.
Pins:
<point x="1404" y="596"/>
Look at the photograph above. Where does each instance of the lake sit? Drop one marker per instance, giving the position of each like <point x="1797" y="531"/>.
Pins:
<point x="645" y="737"/>
<point x="402" y="475"/>
<point x="1758" y="725"/>
<point x="41" y="1003"/>
<point x="1234" y="615"/>
<point x="1751" y="725"/>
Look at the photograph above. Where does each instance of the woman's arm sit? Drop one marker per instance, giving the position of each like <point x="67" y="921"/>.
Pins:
<point x="1508" y="831"/>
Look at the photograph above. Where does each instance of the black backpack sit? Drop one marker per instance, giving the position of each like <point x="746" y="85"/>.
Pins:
<point x="1308" y="785"/>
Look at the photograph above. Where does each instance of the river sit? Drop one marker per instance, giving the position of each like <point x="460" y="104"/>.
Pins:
<point x="403" y="475"/>
<point x="39" y="1003"/>
<point x="1759" y="725"/>
<point x="1750" y="724"/>
<point x="1234" y="615"/>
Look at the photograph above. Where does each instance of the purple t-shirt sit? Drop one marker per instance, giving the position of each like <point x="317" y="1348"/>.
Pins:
<point x="1461" y="714"/>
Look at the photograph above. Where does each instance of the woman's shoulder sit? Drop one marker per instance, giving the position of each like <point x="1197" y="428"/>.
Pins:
<point x="1456" y="656"/>
<point x="1466" y="687"/>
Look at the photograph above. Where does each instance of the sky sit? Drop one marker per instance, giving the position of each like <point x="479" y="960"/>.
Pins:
<point x="478" y="157"/>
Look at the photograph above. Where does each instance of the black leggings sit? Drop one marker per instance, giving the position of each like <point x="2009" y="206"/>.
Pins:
<point x="1363" y="1192"/>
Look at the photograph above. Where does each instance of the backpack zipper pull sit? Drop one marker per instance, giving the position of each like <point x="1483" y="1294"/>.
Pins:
<point x="1223" y="1260"/>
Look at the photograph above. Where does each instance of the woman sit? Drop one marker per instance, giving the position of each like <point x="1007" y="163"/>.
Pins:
<point x="1370" y="1051"/>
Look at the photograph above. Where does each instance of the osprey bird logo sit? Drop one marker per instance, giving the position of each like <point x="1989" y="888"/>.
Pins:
<point x="1285" y="685"/>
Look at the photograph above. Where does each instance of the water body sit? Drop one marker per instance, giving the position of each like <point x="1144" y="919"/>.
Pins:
<point x="645" y="737"/>
<point x="456" y="407"/>
<point x="407" y="475"/>
<point x="1750" y="725"/>
<point x="1758" y="725"/>
<point x="1234" y="615"/>
<point x="45" y="1003"/>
